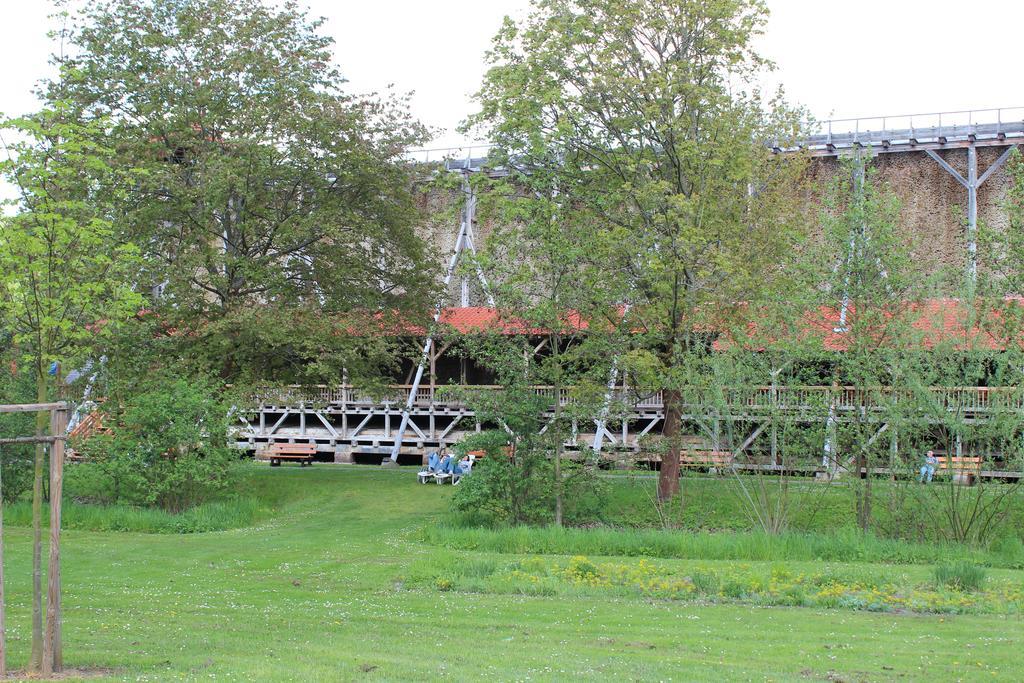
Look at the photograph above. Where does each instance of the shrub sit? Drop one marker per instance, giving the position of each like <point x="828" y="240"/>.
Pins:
<point x="516" y="490"/>
<point x="520" y="489"/>
<point x="167" y="447"/>
<point x="16" y="460"/>
<point x="961" y="575"/>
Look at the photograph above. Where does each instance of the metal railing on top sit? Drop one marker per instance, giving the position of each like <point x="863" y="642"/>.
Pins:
<point x="439" y="154"/>
<point x="1003" y="121"/>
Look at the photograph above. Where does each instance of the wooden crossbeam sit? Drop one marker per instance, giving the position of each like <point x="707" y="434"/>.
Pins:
<point x="31" y="439"/>
<point x="996" y="164"/>
<point x="328" y="425"/>
<point x="355" y="432"/>
<point x="451" y="426"/>
<point x="750" y="439"/>
<point x="416" y="429"/>
<point x="949" y="169"/>
<point x="279" y="421"/>
<point x="649" y="427"/>
<point x="32" y="407"/>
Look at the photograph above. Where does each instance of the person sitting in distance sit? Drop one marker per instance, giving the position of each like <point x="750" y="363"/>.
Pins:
<point x="433" y="462"/>
<point x="445" y="464"/>
<point x="928" y="468"/>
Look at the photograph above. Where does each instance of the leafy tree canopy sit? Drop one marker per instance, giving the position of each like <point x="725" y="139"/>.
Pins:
<point x="259" y="180"/>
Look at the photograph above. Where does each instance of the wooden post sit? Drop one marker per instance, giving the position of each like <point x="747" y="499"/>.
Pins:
<point x="52" y="655"/>
<point x="893" y="453"/>
<point x="433" y="374"/>
<point x="3" y="609"/>
<point x="52" y="659"/>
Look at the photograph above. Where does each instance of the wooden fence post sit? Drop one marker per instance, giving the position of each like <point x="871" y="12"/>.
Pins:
<point x="3" y="609"/>
<point x="53" y="660"/>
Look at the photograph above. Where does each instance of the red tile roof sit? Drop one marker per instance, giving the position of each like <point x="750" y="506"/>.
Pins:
<point x="936" y="321"/>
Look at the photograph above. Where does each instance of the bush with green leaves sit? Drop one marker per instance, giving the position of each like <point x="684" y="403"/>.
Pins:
<point x="166" y="447"/>
<point x="518" y="488"/>
<point x="16" y="459"/>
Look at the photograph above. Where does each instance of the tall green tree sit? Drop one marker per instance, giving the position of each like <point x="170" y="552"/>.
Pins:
<point x="66" y="274"/>
<point x="270" y="194"/>
<point x="647" y="112"/>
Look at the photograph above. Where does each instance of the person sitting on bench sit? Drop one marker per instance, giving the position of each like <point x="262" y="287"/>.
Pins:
<point x="444" y="466"/>
<point x="928" y="468"/>
<point x="433" y="462"/>
<point x="448" y="464"/>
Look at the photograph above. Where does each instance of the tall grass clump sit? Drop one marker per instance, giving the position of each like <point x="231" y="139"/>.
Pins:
<point x="961" y="575"/>
<point x="215" y="516"/>
<point x="847" y="545"/>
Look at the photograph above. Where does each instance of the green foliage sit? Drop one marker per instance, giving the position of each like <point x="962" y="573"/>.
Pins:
<point x="514" y="490"/>
<point x="820" y="525"/>
<point x="640" y="124"/>
<point x="765" y="585"/>
<point x="265" y="195"/>
<point x="234" y="513"/>
<point x="705" y="583"/>
<point x="581" y="568"/>
<point x="519" y="489"/>
<point x="961" y="576"/>
<point x="16" y="459"/>
<point x="167" y="448"/>
<point x="65" y="269"/>
<point x="321" y="536"/>
<point x="844" y="546"/>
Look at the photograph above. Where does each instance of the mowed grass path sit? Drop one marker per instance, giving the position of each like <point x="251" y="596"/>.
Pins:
<point x="315" y="593"/>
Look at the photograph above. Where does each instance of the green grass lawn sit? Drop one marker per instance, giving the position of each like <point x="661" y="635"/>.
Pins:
<point x="322" y="589"/>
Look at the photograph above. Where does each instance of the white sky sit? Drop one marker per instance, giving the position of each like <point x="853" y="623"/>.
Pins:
<point x="839" y="58"/>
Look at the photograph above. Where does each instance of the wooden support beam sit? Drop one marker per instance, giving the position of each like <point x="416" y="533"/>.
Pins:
<point x="750" y="439"/>
<point x="412" y="425"/>
<point x="32" y="407"/>
<point x="996" y="164"/>
<point x="53" y="659"/>
<point x="649" y="427"/>
<point x="279" y="421"/>
<point x="949" y="169"/>
<point x="328" y="425"/>
<point x="359" y="428"/>
<point x="875" y="436"/>
<point x="451" y="426"/>
<point x="972" y="215"/>
<point x="32" y="439"/>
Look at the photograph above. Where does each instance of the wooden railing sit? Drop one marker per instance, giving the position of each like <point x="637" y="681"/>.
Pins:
<point x="764" y="398"/>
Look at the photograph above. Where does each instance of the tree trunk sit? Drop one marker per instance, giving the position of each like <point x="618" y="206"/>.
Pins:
<point x="558" y="485"/>
<point x="557" y="424"/>
<point x="668" y="477"/>
<point x="42" y="422"/>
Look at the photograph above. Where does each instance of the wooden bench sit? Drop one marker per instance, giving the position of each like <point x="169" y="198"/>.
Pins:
<point x="482" y="454"/>
<point x="965" y="469"/>
<point x="303" y="453"/>
<point x="716" y="459"/>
